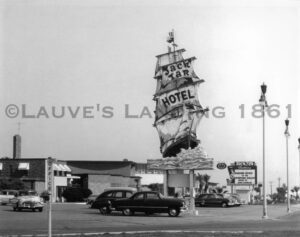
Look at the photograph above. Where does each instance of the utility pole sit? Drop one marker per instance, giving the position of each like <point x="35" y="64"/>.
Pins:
<point x="279" y="182"/>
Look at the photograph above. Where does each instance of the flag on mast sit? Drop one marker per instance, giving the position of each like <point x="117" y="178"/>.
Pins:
<point x="170" y="38"/>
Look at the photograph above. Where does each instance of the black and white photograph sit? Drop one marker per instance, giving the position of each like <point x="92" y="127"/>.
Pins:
<point x="133" y="118"/>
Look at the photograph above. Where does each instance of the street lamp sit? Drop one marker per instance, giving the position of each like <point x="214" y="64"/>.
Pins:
<point x="263" y="103"/>
<point x="287" y="134"/>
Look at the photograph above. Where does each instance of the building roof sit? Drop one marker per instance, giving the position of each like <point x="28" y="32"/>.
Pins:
<point x="101" y="167"/>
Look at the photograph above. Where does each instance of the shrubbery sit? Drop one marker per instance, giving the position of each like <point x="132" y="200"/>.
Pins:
<point x="76" y="194"/>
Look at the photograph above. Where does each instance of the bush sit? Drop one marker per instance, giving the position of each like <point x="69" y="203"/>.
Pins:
<point x="76" y="194"/>
<point x="45" y="195"/>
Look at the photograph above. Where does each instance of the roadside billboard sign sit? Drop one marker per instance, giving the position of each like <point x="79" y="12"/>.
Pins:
<point x="243" y="173"/>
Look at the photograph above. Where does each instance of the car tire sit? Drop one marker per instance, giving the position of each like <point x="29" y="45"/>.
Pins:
<point x="127" y="212"/>
<point x="14" y="208"/>
<point x="224" y="204"/>
<point x="40" y="209"/>
<point x="148" y="213"/>
<point x="105" y="210"/>
<point x="33" y="210"/>
<point x="173" y="211"/>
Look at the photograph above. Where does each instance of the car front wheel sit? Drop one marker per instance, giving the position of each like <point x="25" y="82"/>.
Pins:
<point x="173" y="212"/>
<point x="224" y="204"/>
<point x="104" y="210"/>
<point x="127" y="212"/>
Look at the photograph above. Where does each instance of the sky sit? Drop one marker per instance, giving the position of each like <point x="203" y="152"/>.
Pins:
<point x="97" y="58"/>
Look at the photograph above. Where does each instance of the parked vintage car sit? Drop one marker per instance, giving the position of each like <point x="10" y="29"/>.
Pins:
<point x="150" y="202"/>
<point x="27" y="199"/>
<point x="91" y="199"/>
<point x="213" y="199"/>
<point x="236" y="198"/>
<point x="104" y="201"/>
<point x="6" y="195"/>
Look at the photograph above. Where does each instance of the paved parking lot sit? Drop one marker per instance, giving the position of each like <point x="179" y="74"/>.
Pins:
<point x="78" y="218"/>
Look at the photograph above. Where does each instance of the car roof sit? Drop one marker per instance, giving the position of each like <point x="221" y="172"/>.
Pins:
<point x="120" y="189"/>
<point x="147" y="192"/>
<point x="10" y="190"/>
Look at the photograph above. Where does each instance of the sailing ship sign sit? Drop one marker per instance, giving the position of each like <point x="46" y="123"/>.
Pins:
<point x="186" y="159"/>
<point x="178" y="110"/>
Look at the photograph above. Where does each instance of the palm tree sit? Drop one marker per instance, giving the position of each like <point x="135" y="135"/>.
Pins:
<point x="219" y="190"/>
<point x="296" y="189"/>
<point x="203" y="182"/>
<point x="206" y="180"/>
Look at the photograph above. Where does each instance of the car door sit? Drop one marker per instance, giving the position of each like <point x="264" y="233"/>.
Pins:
<point x="218" y="199"/>
<point x="210" y="200"/>
<point x="153" y="203"/>
<point x="104" y="199"/>
<point x="137" y="202"/>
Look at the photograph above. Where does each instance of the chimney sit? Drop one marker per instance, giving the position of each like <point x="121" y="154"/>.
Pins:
<point x="17" y="147"/>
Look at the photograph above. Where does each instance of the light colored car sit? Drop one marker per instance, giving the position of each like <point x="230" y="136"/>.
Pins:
<point x="27" y="199"/>
<point x="236" y="198"/>
<point x="6" y="195"/>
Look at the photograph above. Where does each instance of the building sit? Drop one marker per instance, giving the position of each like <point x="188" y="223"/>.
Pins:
<point x="33" y="173"/>
<point x="94" y="175"/>
<point x="98" y="175"/>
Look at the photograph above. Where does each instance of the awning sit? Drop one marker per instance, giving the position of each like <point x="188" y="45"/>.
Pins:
<point x="23" y="166"/>
<point x="67" y="168"/>
<point x="62" y="168"/>
<point x="1" y="166"/>
<point x="56" y="167"/>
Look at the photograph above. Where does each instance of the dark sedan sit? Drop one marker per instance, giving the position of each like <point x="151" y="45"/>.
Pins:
<point x="149" y="203"/>
<point x="213" y="199"/>
<point x="104" y="202"/>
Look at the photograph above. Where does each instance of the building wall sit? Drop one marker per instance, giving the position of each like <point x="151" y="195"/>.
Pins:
<point x="39" y="186"/>
<point x="178" y="180"/>
<point x="97" y="183"/>
<point x="10" y="168"/>
<point x="147" y="179"/>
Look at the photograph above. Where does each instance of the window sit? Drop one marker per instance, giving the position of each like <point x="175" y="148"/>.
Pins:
<point x="139" y="196"/>
<point x="108" y="194"/>
<point x="128" y="194"/>
<point x="152" y="196"/>
<point x="118" y="194"/>
<point x="23" y="173"/>
<point x="1" y="166"/>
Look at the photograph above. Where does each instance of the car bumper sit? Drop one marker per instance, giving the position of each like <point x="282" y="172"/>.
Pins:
<point x="184" y="209"/>
<point x="29" y="205"/>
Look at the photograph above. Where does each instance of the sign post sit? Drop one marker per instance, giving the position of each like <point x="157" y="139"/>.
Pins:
<point x="49" y="189"/>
